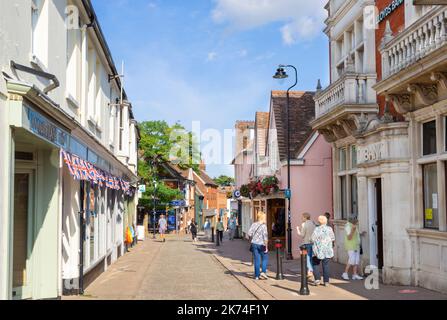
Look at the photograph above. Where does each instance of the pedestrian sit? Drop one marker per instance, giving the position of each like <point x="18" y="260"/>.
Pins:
<point x="232" y="225"/>
<point x="352" y="246"/>
<point x="259" y="245"/>
<point x="207" y="228"/>
<point x="220" y="229"/>
<point x="193" y="229"/>
<point x="306" y="231"/>
<point x="323" y="250"/>
<point x="162" y="226"/>
<point x="329" y="220"/>
<point x="188" y="226"/>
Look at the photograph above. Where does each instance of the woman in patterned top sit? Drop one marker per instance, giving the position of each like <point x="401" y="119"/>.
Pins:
<point x="322" y="239"/>
<point x="259" y="244"/>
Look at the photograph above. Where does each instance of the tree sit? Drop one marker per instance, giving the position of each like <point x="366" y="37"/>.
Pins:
<point x="224" y="181"/>
<point x="161" y="143"/>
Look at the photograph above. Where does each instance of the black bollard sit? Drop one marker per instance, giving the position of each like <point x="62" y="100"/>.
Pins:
<point x="212" y="234"/>
<point x="304" y="291"/>
<point x="279" y="274"/>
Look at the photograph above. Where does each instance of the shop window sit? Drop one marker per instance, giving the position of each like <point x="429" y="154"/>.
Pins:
<point x="429" y="138"/>
<point x="343" y="200"/>
<point x="431" y="219"/>
<point x="353" y="157"/>
<point x="342" y="159"/>
<point x="354" y="196"/>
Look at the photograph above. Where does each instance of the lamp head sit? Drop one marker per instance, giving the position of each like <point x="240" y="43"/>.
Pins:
<point x="280" y="74"/>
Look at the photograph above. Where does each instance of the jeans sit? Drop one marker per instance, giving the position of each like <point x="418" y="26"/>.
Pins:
<point x="220" y="235"/>
<point x="309" y="257"/>
<point x="317" y="275"/>
<point x="258" y="255"/>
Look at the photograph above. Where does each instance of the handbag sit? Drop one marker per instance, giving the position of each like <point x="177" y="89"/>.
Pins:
<point x="251" y="244"/>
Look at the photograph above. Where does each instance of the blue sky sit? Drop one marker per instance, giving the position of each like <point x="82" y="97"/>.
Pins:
<point x="212" y="60"/>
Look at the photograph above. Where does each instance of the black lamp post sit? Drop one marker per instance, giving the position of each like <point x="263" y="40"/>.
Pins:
<point x="281" y="74"/>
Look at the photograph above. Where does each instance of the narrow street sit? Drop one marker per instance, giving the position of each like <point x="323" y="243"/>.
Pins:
<point x="174" y="270"/>
<point x="181" y="270"/>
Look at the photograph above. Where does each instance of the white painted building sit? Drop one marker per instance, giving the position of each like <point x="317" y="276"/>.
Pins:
<point x="60" y="91"/>
<point x="384" y="113"/>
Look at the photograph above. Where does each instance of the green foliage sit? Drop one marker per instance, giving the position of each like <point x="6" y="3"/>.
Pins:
<point x="161" y="143"/>
<point x="224" y="181"/>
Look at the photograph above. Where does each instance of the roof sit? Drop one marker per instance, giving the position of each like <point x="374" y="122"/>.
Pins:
<point x="262" y="125"/>
<point x="302" y="112"/>
<point x="208" y="181"/>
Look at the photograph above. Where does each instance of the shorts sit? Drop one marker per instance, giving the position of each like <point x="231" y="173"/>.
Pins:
<point x="161" y="231"/>
<point x="354" y="258"/>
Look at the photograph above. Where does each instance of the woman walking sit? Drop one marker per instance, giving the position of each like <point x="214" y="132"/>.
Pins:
<point x="306" y="231"/>
<point x="162" y="226"/>
<point x="193" y="229"/>
<point x="259" y="245"/>
<point x="322" y="239"/>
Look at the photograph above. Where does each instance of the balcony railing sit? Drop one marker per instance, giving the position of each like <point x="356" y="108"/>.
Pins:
<point x="416" y="42"/>
<point x="351" y="89"/>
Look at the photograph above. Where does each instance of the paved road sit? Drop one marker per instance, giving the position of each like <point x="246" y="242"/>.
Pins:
<point x="177" y="269"/>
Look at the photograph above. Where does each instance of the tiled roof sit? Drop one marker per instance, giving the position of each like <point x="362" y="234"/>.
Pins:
<point x="208" y="181"/>
<point x="302" y="112"/>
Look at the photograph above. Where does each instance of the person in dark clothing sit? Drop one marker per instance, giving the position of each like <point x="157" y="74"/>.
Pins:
<point x="193" y="229"/>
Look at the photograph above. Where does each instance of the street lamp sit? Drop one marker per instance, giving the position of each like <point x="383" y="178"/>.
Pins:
<point x="153" y="198"/>
<point x="280" y="75"/>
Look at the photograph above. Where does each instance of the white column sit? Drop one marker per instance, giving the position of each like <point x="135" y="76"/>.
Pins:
<point x="84" y="80"/>
<point x="441" y="174"/>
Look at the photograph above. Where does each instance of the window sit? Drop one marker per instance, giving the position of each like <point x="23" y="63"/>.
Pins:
<point x="342" y="155"/>
<point x="343" y="200"/>
<point x="354" y="196"/>
<point x="353" y="157"/>
<point x="35" y="12"/>
<point x="121" y="127"/>
<point x="429" y="138"/>
<point x="431" y="219"/>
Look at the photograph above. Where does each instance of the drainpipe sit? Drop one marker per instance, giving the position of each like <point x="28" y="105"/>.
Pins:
<point x="81" y="238"/>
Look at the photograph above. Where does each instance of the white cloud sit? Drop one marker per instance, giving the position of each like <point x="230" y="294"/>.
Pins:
<point x="302" y="19"/>
<point x="211" y="56"/>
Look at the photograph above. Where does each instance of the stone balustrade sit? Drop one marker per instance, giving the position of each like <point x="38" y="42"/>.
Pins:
<point x="350" y="89"/>
<point x="416" y="42"/>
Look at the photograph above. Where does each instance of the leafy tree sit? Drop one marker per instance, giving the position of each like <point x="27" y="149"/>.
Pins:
<point x="224" y="181"/>
<point x="161" y="143"/>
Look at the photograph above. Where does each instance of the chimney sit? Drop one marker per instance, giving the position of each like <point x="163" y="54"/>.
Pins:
<point x="202" y="165"/>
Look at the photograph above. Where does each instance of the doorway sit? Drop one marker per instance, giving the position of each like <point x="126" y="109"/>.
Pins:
<point x="22" y="233"/>
<point x="376" y="223"/>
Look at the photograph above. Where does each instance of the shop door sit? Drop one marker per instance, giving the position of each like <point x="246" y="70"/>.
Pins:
<point x="23" y="226"/>
<point x="376" y="226"/>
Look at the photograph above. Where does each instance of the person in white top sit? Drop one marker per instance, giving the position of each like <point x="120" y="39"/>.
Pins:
<point x="306" y="230"/>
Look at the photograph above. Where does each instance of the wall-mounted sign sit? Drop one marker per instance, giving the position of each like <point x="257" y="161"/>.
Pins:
<point x="237" y="194"/>
<point x="44" y="128"/>
<point x="389" y="9"/>
<point x="142" y="188"/>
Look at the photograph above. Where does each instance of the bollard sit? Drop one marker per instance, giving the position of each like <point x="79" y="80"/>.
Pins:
<point x="304" y="291"/>
<point x="212" y="234"/>
<point x="217" y="238"/>
<point x="279" y="274"/>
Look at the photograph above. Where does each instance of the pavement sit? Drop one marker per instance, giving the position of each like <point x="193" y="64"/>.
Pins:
<point x="182" y="270"/>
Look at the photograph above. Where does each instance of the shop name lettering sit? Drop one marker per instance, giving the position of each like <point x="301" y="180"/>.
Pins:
<point x="224" y="310"/>
<point x="372" y="153"/>
<point x="46" y="129"/>
<point x="389" y="9"/>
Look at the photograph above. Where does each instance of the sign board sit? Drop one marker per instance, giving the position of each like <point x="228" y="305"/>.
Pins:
<point x="237" y="194"/>
<point x="288" y="193"/>
<point x="178" y="203"/>
<point x="389" y="9"/>
<point x="142" y="188"/>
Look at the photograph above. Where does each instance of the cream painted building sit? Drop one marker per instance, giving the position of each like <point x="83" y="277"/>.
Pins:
<point x="384" y="113"/>
<point x="61" y="98"/>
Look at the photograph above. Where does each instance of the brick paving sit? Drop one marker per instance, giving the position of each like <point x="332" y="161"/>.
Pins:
<point x="182" y="270"/>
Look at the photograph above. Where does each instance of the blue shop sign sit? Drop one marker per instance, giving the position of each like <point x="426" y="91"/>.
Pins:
<point x="44" y="128"/>
<point x="389" y="9"/>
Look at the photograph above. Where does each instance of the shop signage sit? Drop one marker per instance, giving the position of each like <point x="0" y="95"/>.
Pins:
<point x="373" y="152"/>
<point x="389" y="9"/>
<point x="41" y="126"/>
<point x="178" y="203"/>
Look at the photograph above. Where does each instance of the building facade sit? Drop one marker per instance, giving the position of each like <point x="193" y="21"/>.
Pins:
<point x="68" y="145"/>
<point x="386" y="123"/>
